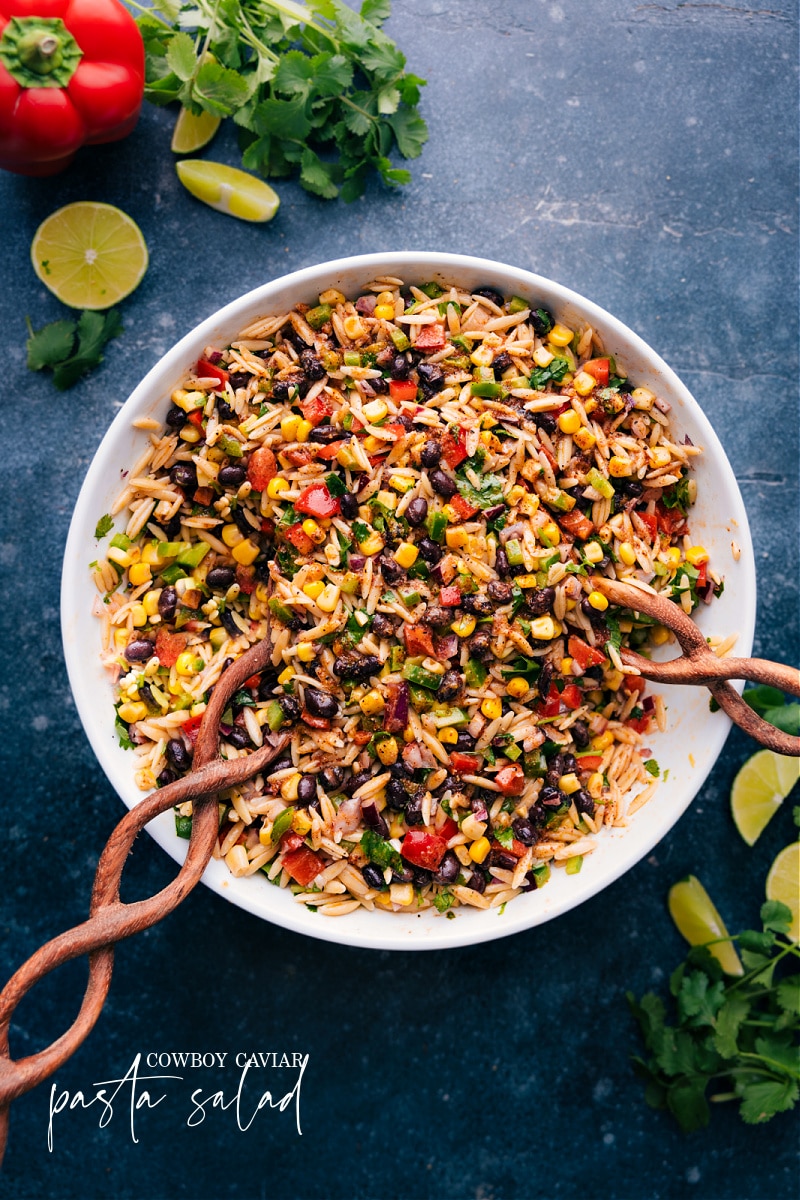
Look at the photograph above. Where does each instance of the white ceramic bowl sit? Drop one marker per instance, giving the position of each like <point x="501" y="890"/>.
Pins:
<point x="688" y="750"/>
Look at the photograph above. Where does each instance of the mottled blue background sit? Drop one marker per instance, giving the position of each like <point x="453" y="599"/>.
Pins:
<point x="645" y="155"/>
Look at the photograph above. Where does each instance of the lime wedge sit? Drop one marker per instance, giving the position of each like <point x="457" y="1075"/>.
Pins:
<point x="192" y="133"/>
<point x="698" y="920"/>
<point x="89" y="255"/>
<point x="783" y="883"/>
<point x="228" y="190"/>
<point x="759" y="789"/>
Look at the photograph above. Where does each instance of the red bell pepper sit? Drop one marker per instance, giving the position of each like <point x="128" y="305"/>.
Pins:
<point x="634" y="683"/>
<point x="589" y="762"/>
<point x="326" y="453"/>
<point x="196" y="417"/>
<point x="448" y="829"/>
<point x="169" y="646"/>
<point x="418" y="640"/>
<point x="430" y="337"/>
<point x="450" y="597"/>
<point x="209" y="370"/>
<point x="423" y="849"/>
<point x="510" y="780"/>
<point x="668" y="519"/>
<point x="572" y="696"/>
<point x="454" y="449"/>
<point x="516" y="848"/>
<point x="246" y="579"/>
<point x="585" y="655"/>
<point x="552" y="704"/>
<point x="463" y="507"/>
<point x="299" y="539"/>
<point x="702" y="576"/>
<point x="315" y="411"/>
<point x="395" y="429"/>
<point x="576" y="524"/>
<point x="262" y="468"/>
<point x="73" y="75"/>
<point x="651" y="521"/>
<point x="317" y="501"/>
<point x="402" y="389"/>
<point x="639" y="724"/>
<point x="191" y="728"/>
<point x="464" y="764"/>
<point x="302" y="865"/>
<point x="598" y="368"/>
<point x="315" y="722"/>
<point x="291" y="841"/>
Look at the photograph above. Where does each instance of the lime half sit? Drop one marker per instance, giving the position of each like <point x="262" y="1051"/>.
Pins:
<point x="759" y="789"/>
<point x="698" y="920"/>
<point x="89" y="255"/>
<point x="228" y="190"/>
<point x="783" y="883"/>
<point x="192" y="133"/>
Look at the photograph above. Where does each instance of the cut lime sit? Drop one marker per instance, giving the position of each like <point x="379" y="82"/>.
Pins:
<point x="698" y="920"/>
<point x="228" y="190"/>
<point x="89" y="255"/>
<point x="759" y="789"/>
<point x="783" y="884"/>
<point x="192" y="133"/>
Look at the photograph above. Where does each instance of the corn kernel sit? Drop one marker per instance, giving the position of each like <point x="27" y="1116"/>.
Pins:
<point x="400" y="483"/>
<point x="544" y="629"/>
<point x="566" y="666"/>
<point x="659" y="635"/>
<point x="492" y="708"/>
<point x="464" y="626"/>
<point x="376" y="410"/>
<point x="671" y="556"/>
<point x="584" y="438"/>
<point x="560" y="335"/>
<point x="372" y="544"/>
<point x="613" y="680"/>
<point x="303" y="430"/>
<point x="478" y="850"/>
<point x="406" y="555"/>
<point x="516" y="493"/>
<point x="491" y="442"/>
<point x="372" y="444"/>
<point x="246" y="552"/>
<point x="448" y="736"/>
<point x="482" y="356"/>
<point x="132" y="712"/>
<point x="314" y="590"/>
<point x="139" y="616"/>
<point x="332" y="296"/>
<point x="569" y="783"/>
<point x="517" y="687"/>
<point x="594" y="785"/>
<point x="188" y="663"/>
<point x="150" y="554"/>
<point x="402" y="894"/>
<point x="329" y="598"/>
<point x="387" y="751"/>
<point x="305" y="652"/>
<point x="589" y="407"/>
<point x="619" y="467"/>
<point x="190" y="434"/>
<point x="231" y="535"/>
<point x="384" y="312"/>
<point x="289" y="786"/>
<point x="384" y="899"/>
<point x="140" y="573"/>
<point x="301" y="822"/>
<point x="372" y="704"/>
<point x="602" y="741"/>
<point x="286" y="676"/>
<point x="353" y="327"/>
<point x="118" y="556"/>
<point x="456" y="538"/>
<point x="451" y="514"/>
<point x="550" y="534"/>
<point x="598" y="601"/>
<point x="659" y="456"/>
<point x="526" y="581"/>
<point x="218" y="637"/>
<point x="593" y="552"/>
<point x="408" y="734"/>
<point x="188" y="401"/>
<point x="695" y="555"/>
<point x="276" y="486"/>
<point x="584" y="383"/>
<point x="643" y="398"/>
<point x="627" y="554"/>
<point x="385" y="297"/>
<point x="150" y="601"/>
<point x="289" y="428"/>
<point x="542" y="356"/>
<point x="311" y="529"/>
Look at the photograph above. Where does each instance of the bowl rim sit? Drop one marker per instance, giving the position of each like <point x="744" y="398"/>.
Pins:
<point x="385" y="932"/>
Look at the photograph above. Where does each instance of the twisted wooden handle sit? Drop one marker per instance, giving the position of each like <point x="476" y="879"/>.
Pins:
<point x="699" y="665"/>
<point x="109" y="919"/>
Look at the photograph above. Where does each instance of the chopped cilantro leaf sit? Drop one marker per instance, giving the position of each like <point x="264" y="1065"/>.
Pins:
<point x="104" y="526"/>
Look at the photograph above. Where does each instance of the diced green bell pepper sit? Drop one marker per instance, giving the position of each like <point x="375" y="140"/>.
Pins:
<point x="275" y="715"/>
<point x="436" y="524"/>
<point x="280" y="610"/>
<point x="401" y="342"/>
<point x="600" y="484"/>
<point x="421" y="677"/>
<point x="194" y="555"/>
<point x="514" y="553"/>
<point x="317" y="317"/>
<point x="475" y="673"/>
<point x="486" y="390"/>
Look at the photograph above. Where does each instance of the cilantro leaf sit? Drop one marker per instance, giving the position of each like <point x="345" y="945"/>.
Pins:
<point x="487" y="495"/>
<point x="104" y="526"/>
<point x="763" y="1099"/>
<point x="181" y="56"/>
<point x="677" y="496"/>
<point x="771" y="704"/>
<point x="121" y="730"/>
<point x="379" y="851"/>
<point x="70" y="348"/>
<point x="50" y="345"/>
<point x="504" y="836"/>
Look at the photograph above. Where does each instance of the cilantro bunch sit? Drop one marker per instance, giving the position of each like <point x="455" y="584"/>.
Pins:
<point x="72" y="348"/>
<point x="316" y="89"/>
<point x="734" y="1039"/>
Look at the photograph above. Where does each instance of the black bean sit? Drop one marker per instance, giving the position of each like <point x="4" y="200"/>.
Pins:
<point x="356" y="666"/>
<point x="146" y="693"/>
<point x="349" y="505"/>
<point x="290" y="707"/>
<point x="465" y="740"/>
<point x="442" y="484"/>
<point x="502" y="363"/>
<point x="450" y="685"/>
<point x="537" y="815"/>
<point x="307" y="789"/>
<point x="312" y="366"/>
<point x="396" y="794"/>
<point x="524" y="831"/>
<point x="178" y="755"/>
<point x="437" y="616"/>
<point x="405" y="875"/>
<point x="422" y="878"/>
<point x="431" y="378"/>
<point x="540" y="600"/>
<point x="449" y="869"/>
<point x="416" y="512"/>
<point x="354" y="782"/>
<point x="331" y="778"/>
<point x="282" y="388"/>
<point x="184" y="475"/>
<point x="501" y="563"/>
<point x="431" y="453"/>
<point x="219" y="579"/>
<point x="503" y="859"/>
<point x="451" y="784"/>
<point x="380" y="386"/>
<point x="431" y="551"/>
<point x="489" y="294"/>
<point x="580" y="734"/>
<point x="542" y="321"/>
<point x="399" y="367"/>
<point x="592" y="613"/>
<point x="399" y="770"/>
<point x="280" y="764"/>
<point x="501" y="593"/>
<point x="373" y="876"/>
<point x="545" y="679"/>
<point x="414" y="809"/>
<point x="224" y="410"/>
<point x="176" y="417"/>
<point x="583" y="802"/>
<point x="232" y="476"/>
<point x="405" y="421"/>
<point x="325" y="434"/>
<point x="228" y="621"/>
<point x="477" y="881"/>
<point x="480" y="645"/>
<point x="139" y="650"/>
<point x="239" y="738"/>
<point x="239" y="379"/>
<point x="630" y="487"/>
<point x="546" y="422"/>
<point x="479" y="606"/>
<point x="173" y="528"/>
<point x="391" y="570"/>
<point x="267" y="685"/>
<point x="167" y="603"/>
<point x="321" y="704"/>
<point x="241" y="522"/>
<point x="383" y="626"/>
<point x="166" y="776"/>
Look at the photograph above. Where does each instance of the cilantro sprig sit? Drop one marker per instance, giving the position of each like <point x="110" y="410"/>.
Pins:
<point x="316" y="89"/>
<point x="71" y="348"/>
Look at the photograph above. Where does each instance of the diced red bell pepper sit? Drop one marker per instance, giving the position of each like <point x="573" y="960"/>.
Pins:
<point x="572" y="696"/>
<point x="598" y="368"/>
<point x="375" y="459"/>
<point x="450" y="597"/>
<point x="246" y="579"/>
<point x="402" y="389"/>
<point x="464" y="764"/>
<point x="191" y="728"/>
<point x="552" y="704"/>
<point x="395" y="429"/>
<point x="516" y="848"/>
<point x="640" y="724"/>
<point x="423" y="849"/>
<point x="252" y="682"/>
<point x="668" y="519"/>
<point x="317" y="501"/>
<point x="314" y="722"/>
<point x="702" y="576"/>
<point x="302" y="865"/>
<point x="207" y="370"/>
<point x="291" y="841"/>
<point x="315" y="411"/>
<point x="576" y="524"/>
<point x="262" y="468"/>
<point x="326" y="453"/>
<point x="448" y="829"/>
<point x="299" y="539"/>
<point x="169" y="646"/>
<point x="511" y="780"/>
<point x="418" y="640"/>
<point x="585" y="655"/>
<point x="589" y="762"/>
<point x="268" y="527"/>
<point x="196" y="417"/>
<point x="298" y="456"/>
<point x="203" y="496"/>
<point x="463" y="507"/>
<point x="549" y="457"/>
<point x="651" y="521"/>
<point x="454" y="449"/>
<point x="361" y="737"/>
<point x="634" y="683"/>
<point x="430" y="337"/>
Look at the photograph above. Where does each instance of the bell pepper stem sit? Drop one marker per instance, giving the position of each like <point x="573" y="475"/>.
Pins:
<point x="39" y="51"/>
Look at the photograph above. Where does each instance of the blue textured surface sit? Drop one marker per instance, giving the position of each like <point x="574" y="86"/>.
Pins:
<point x="646" y="156"/>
